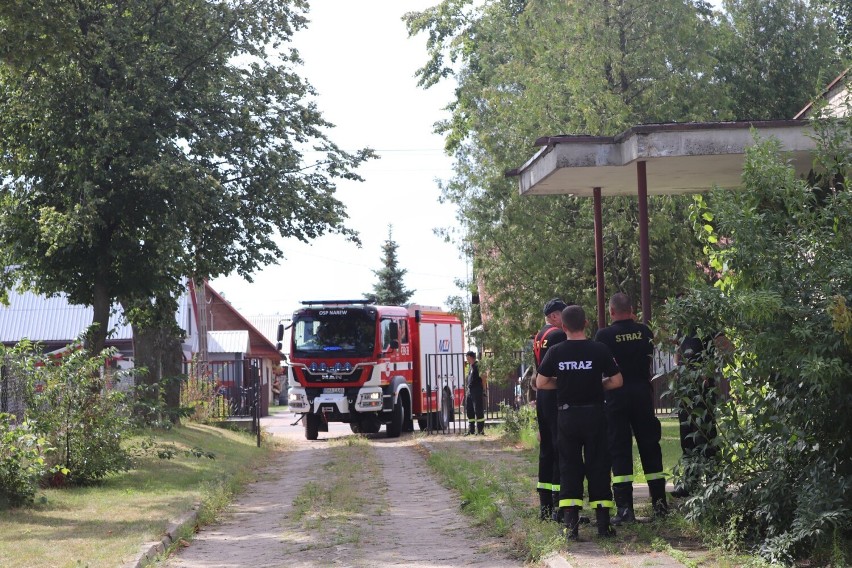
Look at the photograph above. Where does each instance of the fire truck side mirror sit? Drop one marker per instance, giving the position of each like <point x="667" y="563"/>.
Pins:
<point x="278" y="346"/>
<point x="280" y="335"/>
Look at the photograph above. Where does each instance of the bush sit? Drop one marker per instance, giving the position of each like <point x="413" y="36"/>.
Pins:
<point x="68" y="404"/>
<point x="21" y="462"/>
<point x="782" y="253"/>
<point x="519" y="423"/>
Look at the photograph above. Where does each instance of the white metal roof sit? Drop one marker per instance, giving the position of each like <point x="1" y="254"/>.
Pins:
<point x="236" y="341"/>
<point x="38" y="318"/>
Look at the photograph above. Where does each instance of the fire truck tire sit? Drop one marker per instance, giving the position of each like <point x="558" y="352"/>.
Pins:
<point x="394" y="427"/>
<point x="370" y="425"/>
<point x="355" y="427"/>
<point x="423" y="422"/>
<point x="445" y="416"/>
<point x="407" y="419"/>
<point x="311" y="426"/>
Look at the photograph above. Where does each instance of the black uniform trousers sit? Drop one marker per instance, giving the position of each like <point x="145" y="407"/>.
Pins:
<point x="583" y="433"/>
<point x="630" y="412"/>
<point x="547" y="412"/>
<point x="475" y="408"/>
<point x="697" y="422"/>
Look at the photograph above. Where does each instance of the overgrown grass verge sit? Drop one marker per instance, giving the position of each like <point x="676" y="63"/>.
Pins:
<point x="105" y="525"/>
<point x="341" y="500"/>
<point x="497" y="487"/>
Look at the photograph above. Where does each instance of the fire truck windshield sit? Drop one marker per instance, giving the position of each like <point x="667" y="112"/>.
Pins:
<point x="334" y="333"/>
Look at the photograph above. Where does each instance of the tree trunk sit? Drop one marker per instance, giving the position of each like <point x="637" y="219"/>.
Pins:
<point x="158" y="349"/>
<point x="95" y="339"/>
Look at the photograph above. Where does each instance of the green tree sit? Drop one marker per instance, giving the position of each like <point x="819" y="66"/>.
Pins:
<point x="551" y="67"/>
<point x="142" y="142"/>
<point x="390" y="289"/>
<point x="842" y="12"/>
<point x="774" y="56"/>
<point x="781" y="478"/>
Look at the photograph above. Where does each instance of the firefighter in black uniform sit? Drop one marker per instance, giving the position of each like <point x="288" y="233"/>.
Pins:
<point x="630" y="411"/>
<point x="697" y="366"/>
<point x="546" y="413"/>
<point x="475" y="397"/>
<point x="582" y="370"/>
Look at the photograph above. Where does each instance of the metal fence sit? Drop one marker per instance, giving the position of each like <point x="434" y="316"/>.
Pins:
<point x="230" y="389"/>
<point x="445" y="374"/>
<point x="11" y="391"/>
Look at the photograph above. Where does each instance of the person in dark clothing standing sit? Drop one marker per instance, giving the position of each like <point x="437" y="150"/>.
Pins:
<point x="582" y="370"/>
<point x="697" y="369"/>
<point x="546" y="412"/>
<point x="475" y="397"/>
<point x="630" y="411"/>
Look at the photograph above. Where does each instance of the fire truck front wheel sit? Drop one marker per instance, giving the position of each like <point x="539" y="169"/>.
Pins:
<point x="394" y="427"/>
<point x="311" y="426"/>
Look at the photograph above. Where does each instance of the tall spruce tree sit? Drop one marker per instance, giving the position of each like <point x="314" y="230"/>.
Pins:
<point x="390" y="290"/>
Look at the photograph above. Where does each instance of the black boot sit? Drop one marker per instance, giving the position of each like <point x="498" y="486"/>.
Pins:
<point x="604" y="528"/>
<point x="545" y="509"/>
<point x="572" y="522"/>
<point x="657" y="489"/>
<point x="623" y="493"/>
<point x="558" y="512"/>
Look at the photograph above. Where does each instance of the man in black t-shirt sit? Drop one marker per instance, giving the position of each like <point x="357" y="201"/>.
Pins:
<point x="630" y="410"/>
<point x="582" y="370"/>
<point x="546" y="414"/>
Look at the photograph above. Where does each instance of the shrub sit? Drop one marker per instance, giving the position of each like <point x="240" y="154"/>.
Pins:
<point x="519" y="423"/>
<point x="69" y="405"/>
<point x="21" y="462"/>
<point x="781" y="251"/>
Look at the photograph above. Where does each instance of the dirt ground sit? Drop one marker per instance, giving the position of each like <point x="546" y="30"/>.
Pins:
<point x="420" y="524"/>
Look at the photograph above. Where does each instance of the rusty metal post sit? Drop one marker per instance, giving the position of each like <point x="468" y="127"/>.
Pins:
<point x="644" y="255"/>
<point x="599" y="266"/>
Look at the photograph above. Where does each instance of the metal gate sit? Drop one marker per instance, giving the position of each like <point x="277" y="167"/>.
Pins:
<point x="447" y="414"/>
<point x="232" y="389"/>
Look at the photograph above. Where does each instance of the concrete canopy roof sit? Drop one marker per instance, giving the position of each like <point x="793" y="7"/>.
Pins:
<point x="680" y="158"/>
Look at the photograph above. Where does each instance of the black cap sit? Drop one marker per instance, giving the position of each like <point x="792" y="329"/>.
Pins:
<point x="554" y="305"/>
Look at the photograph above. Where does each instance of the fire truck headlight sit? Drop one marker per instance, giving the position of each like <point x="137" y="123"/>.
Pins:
<point x="296" y="400"/>
<point x="371" y="399"/>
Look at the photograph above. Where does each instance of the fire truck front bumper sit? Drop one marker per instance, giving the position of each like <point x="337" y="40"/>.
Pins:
<point x="339" y="403"/>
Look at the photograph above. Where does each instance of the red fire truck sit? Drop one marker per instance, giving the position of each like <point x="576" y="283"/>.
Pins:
<point x="368" y="365"/>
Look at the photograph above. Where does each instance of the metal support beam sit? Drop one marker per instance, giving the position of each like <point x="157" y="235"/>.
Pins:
<point x="599" y="266"/>
<point x="644" y="255"/>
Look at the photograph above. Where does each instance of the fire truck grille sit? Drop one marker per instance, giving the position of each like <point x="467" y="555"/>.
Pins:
<point x="332" y="378"/>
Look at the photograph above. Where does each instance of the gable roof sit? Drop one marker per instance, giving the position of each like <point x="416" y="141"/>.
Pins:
<point x="834" y="96"/>
<point x="222" y="316"/>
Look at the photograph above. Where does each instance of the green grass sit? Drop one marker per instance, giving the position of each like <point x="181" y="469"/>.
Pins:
<point x="105" y="525"/>
<point x="498" y="492"/>
<point x="347" y="494"/>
